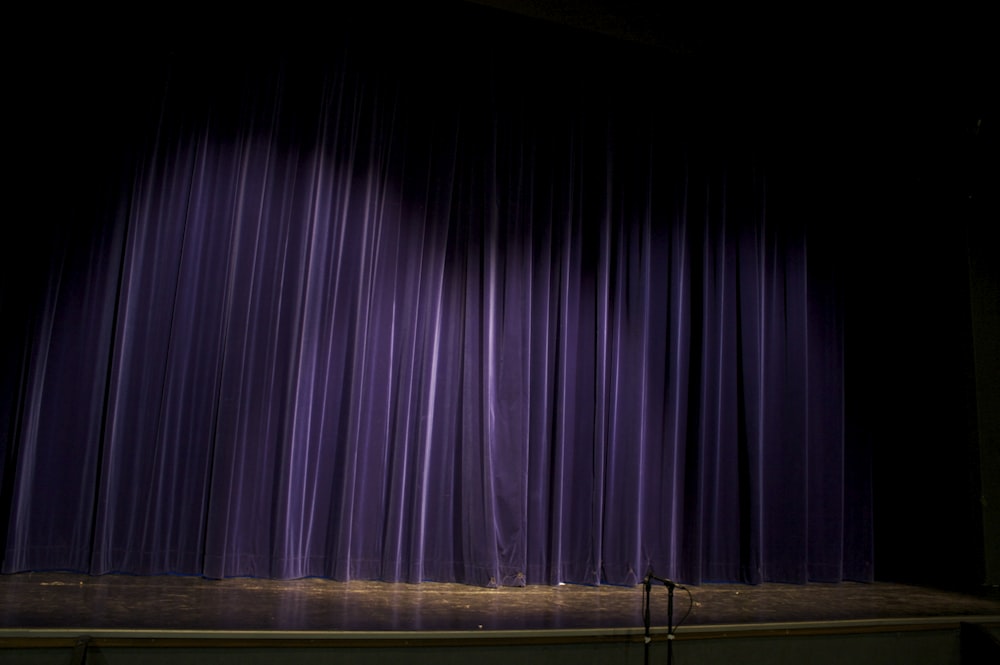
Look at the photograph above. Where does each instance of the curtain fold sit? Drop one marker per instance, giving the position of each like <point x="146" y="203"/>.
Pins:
<point x="499" y="329"/>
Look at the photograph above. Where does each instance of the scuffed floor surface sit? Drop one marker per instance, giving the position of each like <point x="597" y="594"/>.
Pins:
<point x="62" y="600"/>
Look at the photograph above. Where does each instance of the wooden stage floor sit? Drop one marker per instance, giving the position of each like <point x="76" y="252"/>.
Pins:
<point x="62" y="603"/>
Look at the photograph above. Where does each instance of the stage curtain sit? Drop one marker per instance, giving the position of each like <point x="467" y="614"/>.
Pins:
<point x="507" y="317"/>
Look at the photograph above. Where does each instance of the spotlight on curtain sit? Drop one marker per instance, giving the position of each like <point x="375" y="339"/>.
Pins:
<point x="495" y="322"/>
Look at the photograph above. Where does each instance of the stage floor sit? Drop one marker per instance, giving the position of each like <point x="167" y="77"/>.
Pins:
<point x="80" y="603"/>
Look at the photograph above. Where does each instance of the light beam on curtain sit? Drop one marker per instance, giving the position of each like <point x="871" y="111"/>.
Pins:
<point x="358" y="325"/>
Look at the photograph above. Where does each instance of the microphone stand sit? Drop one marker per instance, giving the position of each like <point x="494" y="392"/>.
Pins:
<point x="647" y="638"/>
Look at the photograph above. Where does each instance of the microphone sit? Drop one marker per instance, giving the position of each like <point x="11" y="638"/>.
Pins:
<point x="670" y="584"/>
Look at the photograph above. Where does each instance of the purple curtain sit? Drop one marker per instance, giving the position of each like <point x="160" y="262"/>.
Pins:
<point x="486" y="319"/>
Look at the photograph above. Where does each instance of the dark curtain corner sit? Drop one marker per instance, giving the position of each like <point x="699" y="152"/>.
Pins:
<point x="517" y="316"/>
